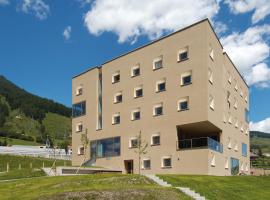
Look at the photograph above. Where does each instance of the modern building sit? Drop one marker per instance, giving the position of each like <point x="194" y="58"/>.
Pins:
<point x="181" y="93"/>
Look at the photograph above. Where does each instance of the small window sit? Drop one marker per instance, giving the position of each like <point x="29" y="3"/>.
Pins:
<point x="235" y="146"/>
<point x="136" y="115"/>
<point x="230" y="118"/>
<point x="247" y="131"/>
<point x="236" y="123"/>
<point x="236" y="85"/>
<point x="79" y="91"/>
<point x="116" y="77"/>
<point x="138" y="92"/>
<point x="161" y="86"/>
<point x="211" y="102"/>
<point x="229" y="143"/>
<point x="133" y="142"/>
<point x="158" y="63"/>
<point x="244" y="149"/>
<point x="241" y="92"/>
<point x="182" y="54"/>
<point x="81" y="151"/>
<point x="118" y="97"/>
<point x="211" y="54"/>
<point x="79" y="127"/>
<point x="186" y="78"/>
<point x="213" y="160"/>
<point x="183" y="104"/>
<point x="155" y="139"/>
<point x="224" y="118"/>
<point x="116" y="118"/>
<point x="247" y="115"/>
<point x="146" y="163"/>
<point x="226" y="163"/>
<point x="235" y="105"/>
<point x="210" y="75"/>
<point x="229" y="98"/>
<point x="135" y="71"/>
<point x="166" y="162"/>
<point x="246" y="98"/>
<point x="158" y="109"/>
<point x="229" y="77"/>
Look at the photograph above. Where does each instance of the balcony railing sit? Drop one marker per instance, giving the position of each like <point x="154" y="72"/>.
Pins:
<point x="196" y="143"/>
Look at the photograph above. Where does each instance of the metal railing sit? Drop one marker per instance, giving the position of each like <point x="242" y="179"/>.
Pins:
<point x="203" y="142"/>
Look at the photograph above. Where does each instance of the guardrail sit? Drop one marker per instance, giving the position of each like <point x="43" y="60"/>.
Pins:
<point x="196" y="143"/>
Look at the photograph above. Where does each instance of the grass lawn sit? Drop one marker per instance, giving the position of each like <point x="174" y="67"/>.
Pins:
<point x="88" y="187"/>
<point x="25" y="162"/>
<point x="11" y="141"/>
<point x="230" y="187"/>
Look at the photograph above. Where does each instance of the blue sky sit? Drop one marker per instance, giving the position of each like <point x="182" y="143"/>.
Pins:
<point x="43" y="43"/>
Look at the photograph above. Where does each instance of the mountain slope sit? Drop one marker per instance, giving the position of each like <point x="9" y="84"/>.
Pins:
<point x="31" y="105"/>
<point x="260" y="140"/>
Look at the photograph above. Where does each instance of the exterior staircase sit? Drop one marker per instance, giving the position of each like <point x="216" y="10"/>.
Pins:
<point x="185" y="190"/>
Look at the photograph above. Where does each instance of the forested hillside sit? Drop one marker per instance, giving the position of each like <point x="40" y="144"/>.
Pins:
<point x="28" y="117"/>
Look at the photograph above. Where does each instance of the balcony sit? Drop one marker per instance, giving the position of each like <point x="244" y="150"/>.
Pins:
<point x="199" y="143"/>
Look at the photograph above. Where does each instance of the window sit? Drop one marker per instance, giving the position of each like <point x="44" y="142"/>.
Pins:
<point x="246" y="168"/>
<point x="158" y="63"/>
<point x="235" y="105"/>
<point x="246" y="98"/>
<point x="81" y="151"/>
<point x="161" y="86"/>
<point x="79" y="90"/>
<point x="234" y="166"/>
<point x="213" y="160"/>
<point x="136" y="114"/>
<point x="211" y="102"/>
<point x="241" y="126"/>
<point x="116" y="77"/>
<point x="229" y="98"/>
<point x="210" y="75"/>
<point x="235" y="146"/>
<point x="229" y="77"/>
<point x="158" y="109"/>
<point x="186" y="78"/>
<point x="229" y="143"/>
<point x="236" y="85"/>
<point x="138" y="92"/>
<point x="78" y="109"/>
<point x="182" y="54"/>
<point x="79" y="127"/>
<point x="226" y="163"/>
<point x="146" y="163"/>
<point x="224" y="118"/>
<point x="133" y="142"/>
<point x="116" y="118"/>
<point x="183" y="104"/>
<point x="211" y="54"/>
<point x="236" y="123"/>
<point x="247" y="131"/>
<point x="244" y="149"/>
<point x="247" y="115"/>
<point x="105" y="148"/>
<point x="230" y="119"/>
<point x="135" y="71"/>
<point x="118" y="97"/>
<point x="241" y="92"/>
<point x="155" y="139"/>
<point x="166" y="162"/>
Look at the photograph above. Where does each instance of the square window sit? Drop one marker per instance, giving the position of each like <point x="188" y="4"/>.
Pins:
<point x="183" y="54"/>
<point x="138" y="92"/>
<point x="118" y="98"/>
<point x="161" y="86"/>
<point x="186" y="80"/>
<point x="116" y="78"/>
<point x="135" y="71"/>
<point x="79" y="91"/>
<point x="136" y="115"/>
<point x="183" y="104"/>
<point x="158" y="64"/>
<point x="79" y="127"/>
<point x="155" y="140"/>
<point x="210" y="76"/>
<point x="146" y="164"/>
<point x="81" y="151"/>
<point x="133" y="143"/>
<point x="116" y="119"/>
<point x="167" y="162"/>
<point x="158" y="110"/>
<point x="211" y="102"/>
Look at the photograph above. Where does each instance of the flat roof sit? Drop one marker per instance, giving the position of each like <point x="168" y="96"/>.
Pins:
<point x="157" y="40"/>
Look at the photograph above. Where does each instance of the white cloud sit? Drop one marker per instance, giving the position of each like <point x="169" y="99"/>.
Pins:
<point x="261" y="7"/>
<point x="67" y="32"/>
<point x="263" y="126"/>
<point x="37" y="7"/>
<point x="133" y="18"/>
<point x="220" y="27"/>
<point x="249" y="51"/>
<point x="4" y="2"/>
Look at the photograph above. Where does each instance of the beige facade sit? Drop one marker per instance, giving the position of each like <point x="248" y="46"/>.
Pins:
<point x="193" y="124"/>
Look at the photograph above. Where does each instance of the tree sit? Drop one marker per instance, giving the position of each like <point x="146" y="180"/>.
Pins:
<point x="85" y="143"/>
<point x="260" y="151"/>
<point x="141" y="149"/>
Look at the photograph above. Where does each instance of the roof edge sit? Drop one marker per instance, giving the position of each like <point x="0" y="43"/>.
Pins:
<point x="91" y="68"/>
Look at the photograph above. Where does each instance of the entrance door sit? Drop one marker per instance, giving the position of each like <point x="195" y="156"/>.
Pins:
<point x="129" y="166"/>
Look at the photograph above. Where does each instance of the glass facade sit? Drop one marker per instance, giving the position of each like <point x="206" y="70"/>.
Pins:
<point x="234" y="166"/>
<point x="79" y="109"/>
<point x="105" y="148"/>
